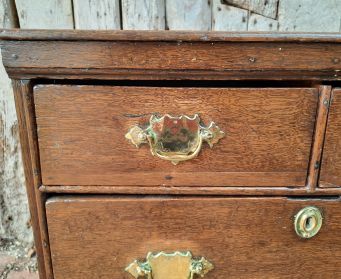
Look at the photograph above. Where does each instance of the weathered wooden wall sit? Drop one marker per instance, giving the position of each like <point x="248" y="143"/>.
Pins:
<point x="223" y="15"/>
<point x="14" y="214"/>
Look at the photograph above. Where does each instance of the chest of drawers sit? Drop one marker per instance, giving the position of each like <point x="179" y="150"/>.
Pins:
<point x="180" y="155"/>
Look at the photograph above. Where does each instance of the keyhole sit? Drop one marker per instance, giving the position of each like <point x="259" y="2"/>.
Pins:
<point x="310" y="223"/>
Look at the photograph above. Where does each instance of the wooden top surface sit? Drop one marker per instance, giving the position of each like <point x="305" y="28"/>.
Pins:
<point x="132" y="35"/>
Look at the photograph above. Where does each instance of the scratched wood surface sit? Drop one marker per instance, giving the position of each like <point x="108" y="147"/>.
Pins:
<point x="81" y="130"/>
<point x="331" y="164"/>
<point x="14" y="213"/>
<point x="243" y="237"/>
<point x="97" y="14"/>
<point x="227" y="15"/>
<point x="172" y="60"/>
<point x="143" y="15"/>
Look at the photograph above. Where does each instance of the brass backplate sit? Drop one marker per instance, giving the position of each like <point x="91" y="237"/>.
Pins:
<point x="175" y="138"/>
<point x="177" y="265"/>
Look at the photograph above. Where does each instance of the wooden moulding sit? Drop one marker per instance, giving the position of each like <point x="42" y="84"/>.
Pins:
<point x="27" y="132"/>
<point x="150" y="56"/>
<point x="182" y="190"/>
<point x="132" y="35"/>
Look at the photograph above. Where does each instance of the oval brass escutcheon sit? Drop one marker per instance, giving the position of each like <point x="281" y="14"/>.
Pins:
<point x="308" y="222"/>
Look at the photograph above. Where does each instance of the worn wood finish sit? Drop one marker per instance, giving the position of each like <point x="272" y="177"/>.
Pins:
<point x="274" y="142"/>
<point x="54" y="14"/>
<point x="161" y="36"/>
<point x="331" y="163"/>
<point x="81" y="130"/>
<point x="14" y="213"/>
<point x="182" y="190"/>
<point x="309" y="16"/>
<point x="243" y="237"/>
<point x="23" y="100"/>
<point x="257" y="22"/>
<point x="228" y="18"/>
<point x="103" y="14"/>
<point x="143" y="15"/>
<point x="267" y="8"/>
<point x="320" y="129"/>
<point x="152" y="60"/>
<point x="188" y="15"/>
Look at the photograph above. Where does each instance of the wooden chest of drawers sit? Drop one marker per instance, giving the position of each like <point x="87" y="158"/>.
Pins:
<point x="237" y="173"/>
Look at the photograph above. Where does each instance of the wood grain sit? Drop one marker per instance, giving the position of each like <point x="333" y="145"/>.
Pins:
<point x="257" y="22"/>
<point x="331" y="163"/>
<point x="188" y="15"/>
<point x="53" y="14"/>
<point x="267" y="8"/>
<point x="172" y="60"/>
<point x="169" y="36"/>
<point x="319" y="134"/>
<point x="183" y="190"/>
<point x="99" y="14"/>
<point x="14" y="213"/>
<point x="81" y="131"/>
<point x="309" y="16"/>
<point x="243" y="237"/>
<point x="23" y="101"/>
<point x="143" y="15"/>
<point x="228" y="18"/>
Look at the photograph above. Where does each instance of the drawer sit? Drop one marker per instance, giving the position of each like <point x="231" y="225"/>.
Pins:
<point x="331" y="161"/>
<point x="82" y="135"/>
<point x="98" y="237"/>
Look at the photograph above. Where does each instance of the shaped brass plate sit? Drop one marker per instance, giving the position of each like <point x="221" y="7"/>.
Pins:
<point x="177" y="265"/>
<point x="175" y="139"/>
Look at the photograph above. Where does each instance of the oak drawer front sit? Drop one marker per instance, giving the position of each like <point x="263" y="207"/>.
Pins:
<point x="97" y="237"/>
<point x="331" y="161"/>
<point x="81" y="133"/>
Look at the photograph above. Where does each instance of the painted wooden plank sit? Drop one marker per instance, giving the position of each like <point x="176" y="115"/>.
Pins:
<point x="257" y="22"/>
<point x="267" y="8"/>
<point x="228" y="18"/>
<point x="309" y="15"/>
<point x="188" y="14"/>
<point x="143" y="15"/>
<point x="97" y="14"/>
<point x="7" y="14"/>
<point x="14" y="213"/>
<point x="47" y="14"/>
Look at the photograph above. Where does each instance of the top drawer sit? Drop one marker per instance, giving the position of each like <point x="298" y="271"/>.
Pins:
<point x="81" y="132"/>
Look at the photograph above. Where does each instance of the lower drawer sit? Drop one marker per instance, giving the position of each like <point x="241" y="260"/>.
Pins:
<point x="98" y="237"/>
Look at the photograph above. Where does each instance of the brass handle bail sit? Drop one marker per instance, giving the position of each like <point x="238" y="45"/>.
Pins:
<point x="177" y="265"/>
<point x="175" y="139"/>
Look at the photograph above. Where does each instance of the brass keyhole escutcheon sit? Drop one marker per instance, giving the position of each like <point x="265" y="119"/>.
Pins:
<point x="308" y="222"/>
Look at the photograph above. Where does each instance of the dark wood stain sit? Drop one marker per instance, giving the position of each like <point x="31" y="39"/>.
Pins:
<point x="267" y="143"/>
<point x="331" y="164"/>
<point x="243" y="237"/>
<point x="280" y="142"/>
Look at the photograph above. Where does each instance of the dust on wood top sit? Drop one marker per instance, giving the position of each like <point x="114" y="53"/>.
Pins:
<point x="132" y="35"/>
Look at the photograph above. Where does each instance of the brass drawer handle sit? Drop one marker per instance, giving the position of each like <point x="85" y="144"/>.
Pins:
<point x="177" y="265"/>
<point x="175" y="139"/>
<point x="308" y="222"/>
